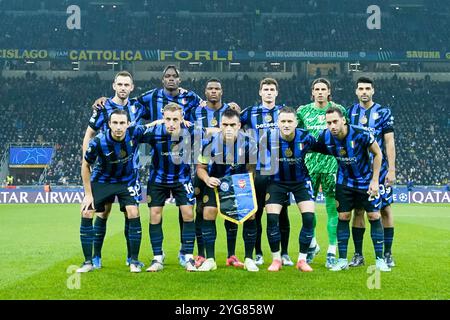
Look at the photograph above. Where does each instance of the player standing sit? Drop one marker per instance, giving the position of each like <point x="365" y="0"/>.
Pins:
<point x="229" y="152"/>
<point x="322" y="168"/>
<point x="288" y="147"/>
<point x="357" y="183"/>
<point x="259" y="119"/>
<point x="379" y="121"/>
<point x="114" y="174"/>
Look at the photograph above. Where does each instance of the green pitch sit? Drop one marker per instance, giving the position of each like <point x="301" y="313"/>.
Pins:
<point x="40" y="243"/>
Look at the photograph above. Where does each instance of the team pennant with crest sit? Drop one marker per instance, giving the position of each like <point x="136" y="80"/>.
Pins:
<point x="236" y="197"/>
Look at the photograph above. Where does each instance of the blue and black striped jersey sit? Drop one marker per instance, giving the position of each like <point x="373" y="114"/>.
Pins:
<point x="352" y="154"/>
<point x="378" y="120"/>
<point x="115" y="161"/>
<point x="99" y="118"/>
<point x="288" y="157"/>
<point x="171" y="154"/>
<point x="227" y="159"/>
<point x="205" y="117"/>
<point x="257" y="120"/>
<point x="155" y="100"/>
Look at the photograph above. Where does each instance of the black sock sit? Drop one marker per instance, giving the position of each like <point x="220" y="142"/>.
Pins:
<point x="156" y="238"/>
<point x="126" y="232"/>
<point x="99" y="235"/>
<point x="249" y="235"/>
<point x="231" y="230"/>
<point x="343" y="234"/>
<point x="377" y="235"/>
<point x="273" y="231"/>
<point x="307" y="231"/>
<point x="198" y="230"/>
<point x="209" y="237"/>
<point x="358" y="237"/>
<point x="261" y="201"/>
<point x="135" y="237"/>
<point x="188" y="237"/>
<point x="87" y="238"/>
<point x="285" y="229"/>
<point x="181" y="224"/>
<point x="388" y="239"/>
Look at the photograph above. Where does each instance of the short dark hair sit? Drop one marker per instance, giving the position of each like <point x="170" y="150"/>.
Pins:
<point x="268" y="81"/>
<point x="364" y="80"/>
<point x="213" y="80"/>
<point x="287" y="109"/>
<point x="123" y="73"/>
<point x="333" y="109"/>
<point x="119" y="112"/>
<point x="171" y="66"/>
<point x="230" y="113"/>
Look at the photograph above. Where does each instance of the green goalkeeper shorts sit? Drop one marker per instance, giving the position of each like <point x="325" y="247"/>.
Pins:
<point x="327" y="181"/>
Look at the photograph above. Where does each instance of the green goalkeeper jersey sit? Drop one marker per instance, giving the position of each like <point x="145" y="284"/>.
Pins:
<point x="312" y="119"/>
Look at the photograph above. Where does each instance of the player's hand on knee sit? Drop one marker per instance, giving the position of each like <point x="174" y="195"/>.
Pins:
<point x="87" y="204"/>
<point x="99" y="104"/>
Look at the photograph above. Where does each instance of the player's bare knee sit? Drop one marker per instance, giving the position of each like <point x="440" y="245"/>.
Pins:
<point x="132" y="212"/>
<point x="87" y="214"/>
<point x="155" y="215"/>
<point x="373" y="215"/>
<point x="187" y="214"/>
<point x="209" y="213"/>
<point x="345" y="216"/>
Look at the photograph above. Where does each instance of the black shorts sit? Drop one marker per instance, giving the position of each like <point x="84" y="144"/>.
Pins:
<point x="261" y="184"/>
<point x="348" y="199"/>
<point x="128" y="194"/>
<point x="199" y="189"/>
<point x="278" y="192"/>
<point x="209" y="197"/>
<point x="158" y="193"/>
<point x="387" y="195"/>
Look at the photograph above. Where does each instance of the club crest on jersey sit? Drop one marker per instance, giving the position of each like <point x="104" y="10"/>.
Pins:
<point x="133" y="108"/>
<point x="268" y="118"/>
<point x="241" y="183"/>
<point x="213" y="122"/>
<point x="123" y="153"/>
<point x="342" y="152"/>
<point x="149" y="199"/>
<point x="197" y="191"/>
<point x="363" y="120"/>
<point x="224" y="187"/>
<point x="288" y="153"/>
<point x="205" y="198"/>
<point x="321" y="118"/>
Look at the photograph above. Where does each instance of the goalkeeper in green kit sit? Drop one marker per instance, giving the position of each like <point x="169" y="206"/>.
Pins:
<point x="322" y="168"/>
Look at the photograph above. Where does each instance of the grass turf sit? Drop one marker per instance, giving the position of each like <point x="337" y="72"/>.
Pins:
<point x="39" y="250"/>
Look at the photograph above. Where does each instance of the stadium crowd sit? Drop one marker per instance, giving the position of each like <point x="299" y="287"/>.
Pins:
<point x="294" y="25"/>
<point x="57" y="111"/>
